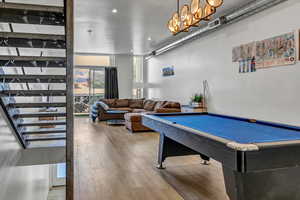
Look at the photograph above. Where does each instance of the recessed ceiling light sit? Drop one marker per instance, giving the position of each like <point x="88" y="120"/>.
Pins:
<point x="114" y="10"/>
<point x="149" y="38"/>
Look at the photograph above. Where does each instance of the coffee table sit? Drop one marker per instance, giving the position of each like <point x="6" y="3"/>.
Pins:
<point x="116" y="121"/>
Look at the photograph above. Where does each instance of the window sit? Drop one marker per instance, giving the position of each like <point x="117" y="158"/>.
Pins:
<point x="138" y="69"/>
<point x="89" y="86"/>
<point x="138" y="76"/>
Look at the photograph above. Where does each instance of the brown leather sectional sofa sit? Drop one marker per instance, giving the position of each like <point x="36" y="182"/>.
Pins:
<point x="135" y="109"/>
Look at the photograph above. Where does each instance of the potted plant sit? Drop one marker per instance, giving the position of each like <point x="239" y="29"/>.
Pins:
<point x="197" y="100"/>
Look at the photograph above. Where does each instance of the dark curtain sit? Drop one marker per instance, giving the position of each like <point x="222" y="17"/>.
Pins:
<point x="111" y="83"/>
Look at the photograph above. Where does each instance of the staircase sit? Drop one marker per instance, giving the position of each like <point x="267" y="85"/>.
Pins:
<point x="36" y="72"/>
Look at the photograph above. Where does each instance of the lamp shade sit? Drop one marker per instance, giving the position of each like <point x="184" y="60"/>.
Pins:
<point x="175" y="19"/>
<point x="194" y="6"/>
<point x="170" y="26"/>
<point x="184" y="12"/>
<point x="215" y="3"/>
<point x="199" y="14"/>
<point x="189" y="19"/>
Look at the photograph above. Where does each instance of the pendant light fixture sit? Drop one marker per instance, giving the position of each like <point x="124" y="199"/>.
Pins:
<point x="192" y="15"/>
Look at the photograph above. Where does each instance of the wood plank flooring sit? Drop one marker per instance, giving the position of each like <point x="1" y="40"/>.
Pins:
<point x="113" y="164"/>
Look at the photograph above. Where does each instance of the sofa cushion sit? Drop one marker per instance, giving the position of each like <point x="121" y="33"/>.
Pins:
<point x="139" y="110"/>
<point x="122" y="103"/>
<point x="103" y="105"/>
<point x="171" y="104"/>
<point x="136" y="103"/>
<point x="109" y="102"/>
<point x="133" y="117"/>
<point x="159" y="104"/>
<point x="149" y="105"/>
<point x="122" y="109"/>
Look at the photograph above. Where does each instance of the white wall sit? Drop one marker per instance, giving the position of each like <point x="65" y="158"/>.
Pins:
<point x="269" y="94"/>
<point x="19" y="182"/>
<point x="125" y="75"/>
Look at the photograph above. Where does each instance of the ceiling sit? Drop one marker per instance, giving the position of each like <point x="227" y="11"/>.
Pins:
<point x="128" y="30"/>
<point x="124" y="32"/>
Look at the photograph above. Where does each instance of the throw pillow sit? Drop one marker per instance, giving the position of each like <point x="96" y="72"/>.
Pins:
<point x="159" y="104"/>
<point x="171" y="104"/>
<point x="109" y="102"/>
<point x="136" y="103"/>
<point x="149" y="105"/>
<point x="122" y="103"/>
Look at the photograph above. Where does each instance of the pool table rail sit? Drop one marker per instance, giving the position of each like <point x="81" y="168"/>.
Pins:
<point x="229" y="143"/>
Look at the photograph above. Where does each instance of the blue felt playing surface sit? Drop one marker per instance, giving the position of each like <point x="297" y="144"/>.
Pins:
<point x="234" y="129"/>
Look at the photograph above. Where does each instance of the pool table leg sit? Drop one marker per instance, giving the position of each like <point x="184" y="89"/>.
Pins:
<point x="205" y="159"/>
<point x="161" y="152"/>
<point x="160" y="166"/>
<point x="169" y="148"/>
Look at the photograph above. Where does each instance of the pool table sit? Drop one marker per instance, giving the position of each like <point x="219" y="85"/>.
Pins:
<point x="260" y="160"/>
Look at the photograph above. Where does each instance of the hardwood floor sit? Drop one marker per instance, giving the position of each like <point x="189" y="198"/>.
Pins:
<point x="113" y="164"/>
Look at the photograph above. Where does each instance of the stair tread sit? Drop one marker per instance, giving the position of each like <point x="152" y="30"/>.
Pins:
<point x="31" y="14"/>
<point x="46" y="122"/>
<point x="32" y="58"/>
<point x="46" y="144"/>
<point x="33" y="61"/>
<point x="32" y="105"/>
<point x="32" y="7"/>
<point x="10" y="77"/>
<point x="40" y="114"/>
<point x="45" y="137"/>
<point x="33" y="93"/>
<point x="39" y="36"/>
<point x="44" y="131"/>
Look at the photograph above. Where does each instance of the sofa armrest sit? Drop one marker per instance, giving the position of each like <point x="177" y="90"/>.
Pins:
<point x="167" y="110"/>
<point x="97" y="110"/>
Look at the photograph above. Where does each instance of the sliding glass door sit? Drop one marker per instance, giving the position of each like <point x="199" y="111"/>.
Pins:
<point x="89" y="87"/>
